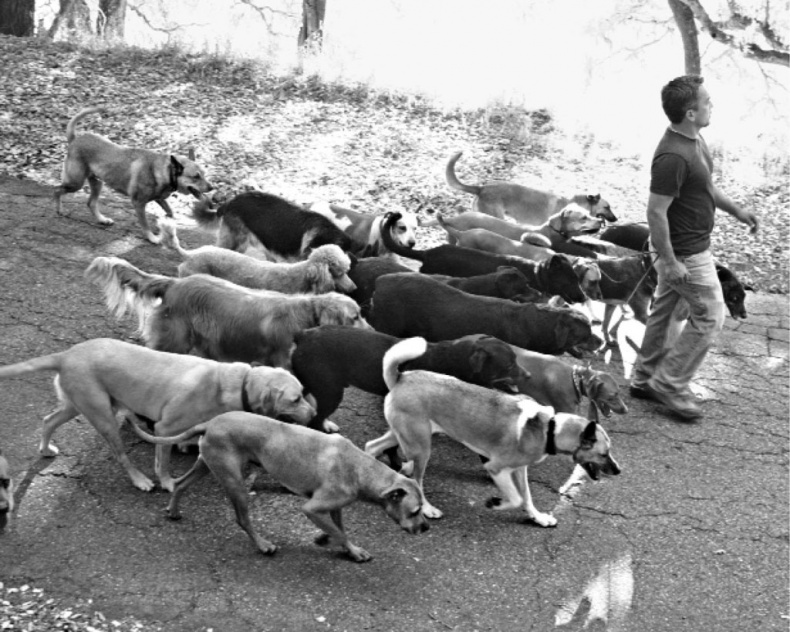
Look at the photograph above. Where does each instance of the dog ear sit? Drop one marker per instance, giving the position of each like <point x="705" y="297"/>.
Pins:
<point x="594" y="199"/>
<point x="393" y="494"/>
<point x="178" y="168"/>
<point x="589" y="433"/>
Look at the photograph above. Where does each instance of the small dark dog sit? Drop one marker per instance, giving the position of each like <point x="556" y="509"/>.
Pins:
<point x="328" y="359"/>
<point x="263" y="222"/>
<point x="553" y="276"/>
<point x="416" y="305"/>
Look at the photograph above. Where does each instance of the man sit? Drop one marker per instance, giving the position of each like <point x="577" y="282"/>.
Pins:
<point x="680" y="213"/>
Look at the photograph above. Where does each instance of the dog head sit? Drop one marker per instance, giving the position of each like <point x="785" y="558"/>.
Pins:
<point x="588" y="442"/>
<point x="402" y="228"/>
<point x="512" y="284"/>
<point x="6" y="491"/>
<point x="189" y="178"/>
<point x="603" y="390"/>
<point x="494" y="365"/>
<point x="337" y="309"/>
<point x="599" y="207"/>
<point x="573" y="333"/>
<point x="330" y="270"/>
<point x="734" y="291"/>
<point x="574" y="220"/>
<point x="402" y="502"/>
<point x="589" y="275"/>
<point x="559" y="275"/>
<point x="277" y="393"/>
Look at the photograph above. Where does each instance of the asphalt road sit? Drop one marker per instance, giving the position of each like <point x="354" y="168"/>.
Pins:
<point x="692" y="536"/>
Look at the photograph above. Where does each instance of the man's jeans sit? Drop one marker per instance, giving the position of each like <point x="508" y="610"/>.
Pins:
<point x="670" y="369"/>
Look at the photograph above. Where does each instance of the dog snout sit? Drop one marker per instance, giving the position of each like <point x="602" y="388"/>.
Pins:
<point x="416" y="527"/>
<point x="611" y="467"/>
<point x="345" y="284"/>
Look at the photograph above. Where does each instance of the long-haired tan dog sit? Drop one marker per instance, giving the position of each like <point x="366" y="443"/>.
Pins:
<point x="215" y="318"/>
<point x="142" y="175"/>
<point x="97" y="378"/>
<point x="330" y="470"/>
<point x="512" y="432"/>
<point x="325" y="270"/>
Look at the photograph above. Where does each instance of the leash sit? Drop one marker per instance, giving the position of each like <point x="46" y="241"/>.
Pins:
<point x="644" y="276"/>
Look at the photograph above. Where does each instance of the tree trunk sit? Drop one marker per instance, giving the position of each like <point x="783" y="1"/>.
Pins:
<point x="684" y="18"/>
<point x="73" y="18"/>
<point x="313" y="12"/>
<point x="17" y="17"/>
<point x="112" y="19"/>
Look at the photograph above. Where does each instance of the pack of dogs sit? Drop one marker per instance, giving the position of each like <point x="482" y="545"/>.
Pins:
<point x="250" y="349"/>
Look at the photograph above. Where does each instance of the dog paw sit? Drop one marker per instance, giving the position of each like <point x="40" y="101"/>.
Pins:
<point x="322" y="539"/>
<point x="154" y="239"/>
<point x="543" y="519"/>
<point x="330" y="427"/>
<point x="493" y="502"/>
<point x="172" y="514"/>
<point x="142" y="482"/>
<point x="429" y="511"/>
<point x="358" y="554"/>
<point x="265" y="547"/>
<point x="49" y="451"/>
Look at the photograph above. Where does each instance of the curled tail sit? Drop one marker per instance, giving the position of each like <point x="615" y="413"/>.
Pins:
<point x="72" y="124"/>
<point x="170" y="237"/>
<point x="452" y="233"/>
<point x="128" y="289"/>
<point x="453" y="181"/>
<point x="44" y="363"/>
<point x="199" y="429"/>
<point x="398" y="354"/>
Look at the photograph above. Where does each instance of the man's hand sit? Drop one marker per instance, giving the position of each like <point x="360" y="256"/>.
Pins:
<point x="673" y="271"/>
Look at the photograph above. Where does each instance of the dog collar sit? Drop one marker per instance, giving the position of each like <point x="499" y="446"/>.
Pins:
<point x="551" y="447"/>
<point x="245" y="399"/>
<point x="562" y="233"/>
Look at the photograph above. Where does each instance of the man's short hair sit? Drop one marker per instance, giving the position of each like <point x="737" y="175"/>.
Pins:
<point x="679" y="96"/>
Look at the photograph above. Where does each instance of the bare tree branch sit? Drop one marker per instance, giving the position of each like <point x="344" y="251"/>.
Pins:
<point x="161" y="29"/>
<point x="717" y="30"/>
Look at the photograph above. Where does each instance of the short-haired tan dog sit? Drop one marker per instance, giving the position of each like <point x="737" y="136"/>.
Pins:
<point x="98" y="377"/>
<point x="6" y="491"/>
<point x="328" y="469"/>
<point x="523" y="204"/>
<point x="511" y="431"/>
<point x="142" y="175"/>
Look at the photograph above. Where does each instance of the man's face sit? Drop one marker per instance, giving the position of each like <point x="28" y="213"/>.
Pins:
<point x="700" y="115"/>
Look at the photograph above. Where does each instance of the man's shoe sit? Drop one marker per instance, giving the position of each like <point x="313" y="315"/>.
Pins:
<point x="639" y="391"/>
<point x="683" y="406"/>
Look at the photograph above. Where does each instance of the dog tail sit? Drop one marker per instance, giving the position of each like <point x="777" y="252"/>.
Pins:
<point x="170" y="237"/>
<point x="199" y="429"/>
<point x="128" y="289"/>
<point x="398" y="354"/>
<point x="452" y="233"/>
<point x="453" y="181"/>
<point x="50" y="362"/>
<point x="204" y="215"/>
<point x="72" y="124"/>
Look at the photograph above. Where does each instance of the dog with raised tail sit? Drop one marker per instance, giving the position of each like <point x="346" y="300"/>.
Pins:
<point x="141" y="174"/>
<point x="523" y="204"/>
<point x="328" y="469"/>
<point x="512" y="432"/>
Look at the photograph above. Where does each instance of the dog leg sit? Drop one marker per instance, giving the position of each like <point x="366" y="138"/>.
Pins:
<point x="577" y="476"/>
<point x="198" y="471"/>
<point x="52" y="422"/>
<point x="330" y="522"/>
<point x="162" y="467"/>
<point x="378" y="446"/>
<point x="93" y="201"/>
<point x="165" y="207"/>
<point x="139" y="208"/>
<point x="517" y="494"/>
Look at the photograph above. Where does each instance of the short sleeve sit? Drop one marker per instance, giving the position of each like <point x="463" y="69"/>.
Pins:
<point x="667" y="174"/>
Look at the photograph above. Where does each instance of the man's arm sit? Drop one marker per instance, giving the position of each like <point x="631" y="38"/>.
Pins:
<point x="728" y="206"/>
<point x="657" y="207"/>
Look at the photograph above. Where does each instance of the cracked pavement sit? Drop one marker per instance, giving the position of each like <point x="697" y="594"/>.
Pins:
<point x="698" y="519"/>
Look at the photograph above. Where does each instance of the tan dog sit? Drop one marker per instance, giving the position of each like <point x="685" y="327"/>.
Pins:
<point x="6" y="491"/>
<point x="512" y="432"/>
<point x="98" y="377"/>
<point x="325" y="270"/>
<point x="523" y="204"/>
<point x="143" y="175"/>
<point x="328" y="469"/>
<point x="216" y="318"/>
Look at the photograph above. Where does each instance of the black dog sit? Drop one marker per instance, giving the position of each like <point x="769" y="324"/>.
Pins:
<point x="282" y="229"/>
<point x="555" y="276"/>
<point x="328" y="359"/>
<point x="635" y="236"/>
<point x="416" y="305"/>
